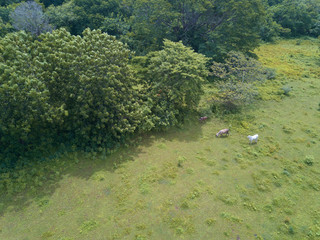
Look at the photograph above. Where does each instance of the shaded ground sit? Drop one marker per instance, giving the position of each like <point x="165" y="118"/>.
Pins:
<point x="188" y="184"/>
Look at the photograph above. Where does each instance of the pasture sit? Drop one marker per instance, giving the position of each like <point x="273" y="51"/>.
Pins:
<point x="186" y="183"/>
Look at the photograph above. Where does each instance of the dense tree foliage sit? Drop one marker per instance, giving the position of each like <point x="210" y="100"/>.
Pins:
<point x="77" y="15"/>
<point x="210" y="27"/>
<point x="78" y="87"/>
<point x="25" y="106"/>
<point x="298" y="17"/>
<point x="174" y="76"/>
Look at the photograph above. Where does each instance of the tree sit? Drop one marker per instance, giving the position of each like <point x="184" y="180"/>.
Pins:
<point x="175" y="76"/>
<point x="299" y="16"/>
<point x="151" y="22"/>
<point x="47" y="3"/>
<point x="29" y="16"/>
<point x="26" y="114"/>
<point x="89" y="78"/>
<point x="63" y="16"/>
<point x="208" y="26"/>
<point x="78" y="15"/>
<point x="66" y="88"/>
<point x="8" y="2"/>
<point x="236" y="78"/>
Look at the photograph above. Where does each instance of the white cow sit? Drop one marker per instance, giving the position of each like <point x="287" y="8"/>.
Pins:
<point x="253" y="138"/>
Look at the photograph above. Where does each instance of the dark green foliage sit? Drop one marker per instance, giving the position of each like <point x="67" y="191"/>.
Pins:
<point x="63" y="16"/>
<point x="28" y="16"/>
<point x="270" y="29"/>
<point x="151" y="22"/>
<point x="315" y="29"/>
<point x="5" y="28"/>
<point x="47" y="3"/>
<point x="116" y="26"/>
<point x="8" y="2"/>
<point x="77" y="15"/>
<point x="5" y="13"/>
<point x="212" y="28"/>
<point x="299" y="17"/>
<point x="97" y="14"/>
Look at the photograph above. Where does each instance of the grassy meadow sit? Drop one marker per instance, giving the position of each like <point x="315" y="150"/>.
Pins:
<point x="186" y="183"/>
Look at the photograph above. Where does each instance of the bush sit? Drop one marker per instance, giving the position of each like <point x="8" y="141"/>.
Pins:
<point x="236" y="80"/>
<point x="234" y="95"/>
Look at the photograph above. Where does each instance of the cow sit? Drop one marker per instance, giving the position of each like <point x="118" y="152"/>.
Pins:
<point x="253" y="138"/>
<point x="202" y="119"/>
<point x="223" y="132"/>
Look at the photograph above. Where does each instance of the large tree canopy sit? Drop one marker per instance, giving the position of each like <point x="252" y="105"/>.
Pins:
<point x="66" y="86"/>
<point x="212" y="27"/>
<point x="208" y="26"/>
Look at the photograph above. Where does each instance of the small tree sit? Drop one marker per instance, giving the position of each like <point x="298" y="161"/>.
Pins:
<point x="176" y="75"/>
<point x="237" y="77"/>
<point x="29" y="16"/>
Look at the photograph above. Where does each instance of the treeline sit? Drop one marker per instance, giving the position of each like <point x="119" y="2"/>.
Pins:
<point x="210" y="27"/>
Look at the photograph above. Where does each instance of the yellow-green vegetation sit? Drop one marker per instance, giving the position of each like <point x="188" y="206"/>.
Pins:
<point x="186" y="183"/>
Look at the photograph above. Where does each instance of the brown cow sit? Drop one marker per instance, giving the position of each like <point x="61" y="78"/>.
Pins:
<point x="222" y="132"/>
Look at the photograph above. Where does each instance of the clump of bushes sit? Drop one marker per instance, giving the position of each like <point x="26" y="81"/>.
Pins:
<point x="61" y="88"/>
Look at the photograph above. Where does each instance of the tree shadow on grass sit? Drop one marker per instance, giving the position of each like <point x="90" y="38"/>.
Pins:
<point x="21" y="187"/>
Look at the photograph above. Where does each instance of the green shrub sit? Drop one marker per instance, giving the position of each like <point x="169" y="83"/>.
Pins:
<point x="286" y="90"/>
<point x="309" y="160"/>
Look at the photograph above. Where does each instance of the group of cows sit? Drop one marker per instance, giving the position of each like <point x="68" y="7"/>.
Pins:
<point x="225" y="132"/>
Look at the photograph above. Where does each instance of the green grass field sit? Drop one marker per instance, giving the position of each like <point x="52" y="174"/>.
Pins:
<point x="186" y="183"/>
